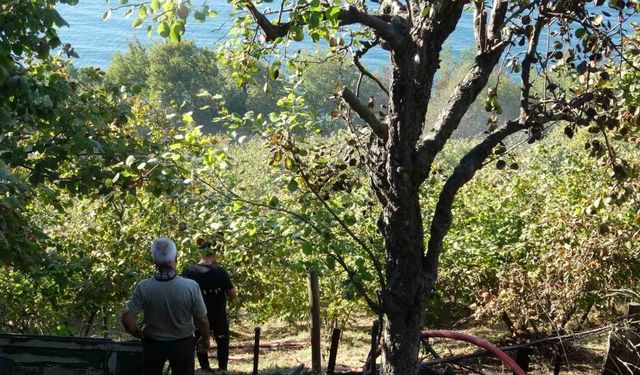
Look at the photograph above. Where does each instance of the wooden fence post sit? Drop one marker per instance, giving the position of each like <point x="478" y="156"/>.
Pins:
<point x="374" y="345"/>
<point x="623" y="356"/>
<point x="314" y="305"/>
<point x="256" y="350"/>
<point x="333" y="351"/>
<point x="523" y="358"/>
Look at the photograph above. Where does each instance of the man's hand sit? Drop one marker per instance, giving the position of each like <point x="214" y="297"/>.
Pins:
<point x="202" y="324"/>
<point x="129" y="323"/>
<point x="203" y="345"/>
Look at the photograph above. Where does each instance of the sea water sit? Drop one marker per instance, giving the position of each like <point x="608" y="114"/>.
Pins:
<point x="96" y="40"/>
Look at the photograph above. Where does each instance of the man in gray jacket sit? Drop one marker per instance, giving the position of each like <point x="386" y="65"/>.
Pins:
<point x="170" y="304"/>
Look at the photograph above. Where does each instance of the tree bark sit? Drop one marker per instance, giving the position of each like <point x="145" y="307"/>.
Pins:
<point x="404" y="298"/>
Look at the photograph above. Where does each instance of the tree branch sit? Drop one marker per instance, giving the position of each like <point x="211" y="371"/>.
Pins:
<point x="525" y="76"/>
<point x="379" y="24"/>
<point x="474" y="159"/>
<point x="272" y="31"/>
<point x="366" y="46"/>
<point x="374" y="260"/>
<point x="233" y="196"/>
<point x="463" y="173"/>
<point x="372" y="304"/>
<point x="480" y="25"/>
<point x="498" y="18"/>
<point x="378" y="127"/>
<point x="491" y="47"/>
<point x="348" y="16"/>
<point x="462" y="98"/>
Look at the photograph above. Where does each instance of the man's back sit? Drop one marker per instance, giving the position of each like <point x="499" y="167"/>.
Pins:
<point x="214" y="282"/>
<point x="169" y="307"/>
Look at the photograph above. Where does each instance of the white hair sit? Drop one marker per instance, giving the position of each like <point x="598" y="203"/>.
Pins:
<point x="163" y="251"/>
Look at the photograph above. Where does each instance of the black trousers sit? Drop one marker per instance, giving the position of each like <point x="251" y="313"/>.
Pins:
<point x="179" y="353"/>
<point x="220" y="332"/>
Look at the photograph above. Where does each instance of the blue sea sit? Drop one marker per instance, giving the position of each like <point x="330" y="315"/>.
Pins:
<point x="96" y="40"/>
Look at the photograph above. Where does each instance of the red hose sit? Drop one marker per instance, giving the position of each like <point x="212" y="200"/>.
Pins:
<point x="517" y="370"/>
<point x="484" y="344"/>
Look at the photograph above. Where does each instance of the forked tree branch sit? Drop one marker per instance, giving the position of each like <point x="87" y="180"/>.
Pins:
<point x="462" y="98"/>
<point x="491" y="49"/>
<point x="366" y="46"/>
<point x="348" y="16"/>
<point x="272" y="31"/>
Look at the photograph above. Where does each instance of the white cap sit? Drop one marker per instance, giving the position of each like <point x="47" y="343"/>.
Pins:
<point x="163" y="251"/>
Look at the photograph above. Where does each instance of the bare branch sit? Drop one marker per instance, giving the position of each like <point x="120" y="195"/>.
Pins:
<point x="525" y="76"/>
<point x="356" y="60"/>
<point x="480" y="25"/>
<point x="466" y="92"/>
<point x="379" y="24"/>
<point x="498" y="17"/>
<point x="378" y="127"/>
<point x="443" y="19"/>
<point x="272" y="31"/>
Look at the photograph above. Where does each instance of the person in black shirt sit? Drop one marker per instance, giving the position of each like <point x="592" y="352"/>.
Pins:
<point x="215" y="286"/>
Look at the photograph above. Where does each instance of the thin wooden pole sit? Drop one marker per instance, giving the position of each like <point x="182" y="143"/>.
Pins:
<point x="374" y="345"/>
<point x="333" y="351"/>
<point x="523" y="358"/>
<point x="256" y="350"/>
<point x="314" y="304"/>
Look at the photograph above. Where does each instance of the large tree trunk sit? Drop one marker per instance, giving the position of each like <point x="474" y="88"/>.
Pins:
<point x="405" y="295"/>
<point x="404" y="299"/>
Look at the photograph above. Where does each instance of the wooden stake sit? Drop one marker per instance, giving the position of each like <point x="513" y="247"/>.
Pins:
<point x="256" y="350"/>
<point x="333" y="351"/>
<point x="314" y="304"/>
<point x="374" y="345"/>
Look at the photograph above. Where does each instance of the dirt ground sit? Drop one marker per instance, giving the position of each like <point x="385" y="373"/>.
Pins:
<point x="283" y="347"/>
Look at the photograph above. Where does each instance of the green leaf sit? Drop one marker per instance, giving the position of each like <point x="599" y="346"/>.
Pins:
<point x="155" y="5"/>
<point x="163" y="29"/>
<point x="274" y="201"/>
<point x="292" y="185"/>
<point x="136" y="23"/>
<point x="129" y="161"/>
<point x="274" y="71"/>
<point x="350" y="220"/>
<point x="199" y="15"/>
<point x="106" y="15"/>
<point x="307" y="248"/>
<point x="177" y="30"/>
<point x="332" y="13"/>
<point x="289" y="163"/>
